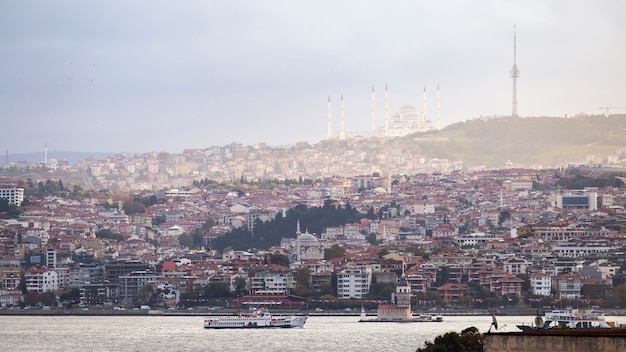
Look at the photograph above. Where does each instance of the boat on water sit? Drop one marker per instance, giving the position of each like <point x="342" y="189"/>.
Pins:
<point x="569" y="318"/>
<point x="255" y="320"/>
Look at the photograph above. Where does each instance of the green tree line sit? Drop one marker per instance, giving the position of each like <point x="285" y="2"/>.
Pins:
<point x="269" y="233"/>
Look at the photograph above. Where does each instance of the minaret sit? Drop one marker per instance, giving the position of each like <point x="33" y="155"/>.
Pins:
<point x="425" y="108"/>
<point x="45" y="154"/>
<point x="341" y="122"/>
<point x="373" y="110"/>
<point x="386" y="112"/>
<point x="298" y="233"/>
<point x="330" y="121"/>
<point x="438" y="108"/>
<point x="514" y="73"/>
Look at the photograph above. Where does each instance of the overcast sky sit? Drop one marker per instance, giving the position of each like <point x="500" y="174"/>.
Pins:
<point x="138" y="76"/>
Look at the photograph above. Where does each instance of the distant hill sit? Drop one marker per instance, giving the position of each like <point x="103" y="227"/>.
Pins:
<point x="37" y="157"/>
<point x="547" y="141"/>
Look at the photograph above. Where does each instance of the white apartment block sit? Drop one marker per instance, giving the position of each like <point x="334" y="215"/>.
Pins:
<point x="10" y="192"/>
<point x="568" y="286"/>
<point x="516" y="266"/>
<point x="574" y="250"/>
<point x="540" y="284"/>
<point x="353" y="283"/>
<point x="40" y="279"/>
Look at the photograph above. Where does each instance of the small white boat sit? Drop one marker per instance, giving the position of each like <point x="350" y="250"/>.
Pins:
<point x="256" y="319"/>
<point x="428" y="318"/>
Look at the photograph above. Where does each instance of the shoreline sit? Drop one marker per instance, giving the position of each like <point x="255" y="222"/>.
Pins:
<point x="233" y="312"/>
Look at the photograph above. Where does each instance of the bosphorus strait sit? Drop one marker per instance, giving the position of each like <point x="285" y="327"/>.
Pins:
<point x="163" y="333"/>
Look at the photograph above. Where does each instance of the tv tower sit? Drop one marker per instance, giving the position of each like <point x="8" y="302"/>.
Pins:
<point x="514" y="73"/>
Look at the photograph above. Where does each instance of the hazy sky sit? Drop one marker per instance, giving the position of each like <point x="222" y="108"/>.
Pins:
<point x="139" y="76"/>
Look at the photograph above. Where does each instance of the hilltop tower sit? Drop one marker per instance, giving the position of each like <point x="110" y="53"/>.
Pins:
<point x="514" y="73"/>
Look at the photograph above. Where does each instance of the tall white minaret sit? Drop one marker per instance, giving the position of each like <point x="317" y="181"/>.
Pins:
<point x="298" y="233"/>
<point x="425" y="107"/>
<point x="514" y="73"/>
<point x="438" y="108"/>
<point x="330" y="121"/>
<point x="45" y="154"/>
<point x="386" y="112"/>
<point x="342" y="134"/>
<point x="373" y="110"/>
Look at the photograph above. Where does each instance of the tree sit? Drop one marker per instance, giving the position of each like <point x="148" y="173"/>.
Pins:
<point x="504" y="216"/>
<point x="303" y="276"/>
<point x="133" y="207"/>
<point x="619" y="295"/>
<point x="71" y="295"/>
<point x="470" y="340"/>
<point x="240" y="286"/>
<point x="108" y="234"/>
<point x="335" y="251"/>
<point x="303" y="291"/>
<point x="371" y="238"/>
<point x="381" y="290"/>
<point x="185" y="240"/>
<point x="146" y="292"/>
<point x="278" y="259"/>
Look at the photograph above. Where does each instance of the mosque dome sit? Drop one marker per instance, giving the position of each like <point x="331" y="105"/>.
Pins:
<point x="306" y="237"/>
<point x="408" y="107"/>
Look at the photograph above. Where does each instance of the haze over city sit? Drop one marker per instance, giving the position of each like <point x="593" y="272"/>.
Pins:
<point x="144" y="76"/>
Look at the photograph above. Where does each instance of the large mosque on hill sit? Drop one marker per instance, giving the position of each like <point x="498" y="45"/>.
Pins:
<point x="409" y="119"/>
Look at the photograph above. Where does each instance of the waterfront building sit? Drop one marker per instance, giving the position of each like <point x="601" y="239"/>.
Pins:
<point x="41" y="279"/>
<point x="353" y="283"/>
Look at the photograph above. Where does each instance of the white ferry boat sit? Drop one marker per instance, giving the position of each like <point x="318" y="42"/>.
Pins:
<point x="577" y="318"/>
<point x="569" y="318"/>
<point x="257" y="319"/>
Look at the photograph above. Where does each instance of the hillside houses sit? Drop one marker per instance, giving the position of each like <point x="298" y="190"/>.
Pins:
<point x="459" y="235"/>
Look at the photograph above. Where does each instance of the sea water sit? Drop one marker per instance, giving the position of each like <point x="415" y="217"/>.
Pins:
<point x="186" y="333"/>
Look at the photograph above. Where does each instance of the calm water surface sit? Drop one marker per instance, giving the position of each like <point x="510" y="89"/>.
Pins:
<point x="159" y="333"/>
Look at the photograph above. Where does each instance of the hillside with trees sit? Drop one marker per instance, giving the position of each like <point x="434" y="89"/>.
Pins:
<point x="548" y="141"/>
<point x="269" y="233"/>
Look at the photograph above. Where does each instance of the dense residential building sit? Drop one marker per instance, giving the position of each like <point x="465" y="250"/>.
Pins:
<point x="10" y="191"/>
<point x="541" y="284"/>
<point x="41" y="279"/>
<point x="353" y="283"/>
<point x="568" y="286"/>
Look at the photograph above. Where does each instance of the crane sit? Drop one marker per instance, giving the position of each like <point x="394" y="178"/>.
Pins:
<point x="608" y="108"/>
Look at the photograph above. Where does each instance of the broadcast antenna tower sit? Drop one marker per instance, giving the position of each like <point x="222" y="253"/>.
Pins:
<point x="514" y="73"/>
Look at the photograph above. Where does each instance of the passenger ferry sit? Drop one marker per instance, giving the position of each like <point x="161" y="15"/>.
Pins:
<point x="257" y="319"/>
